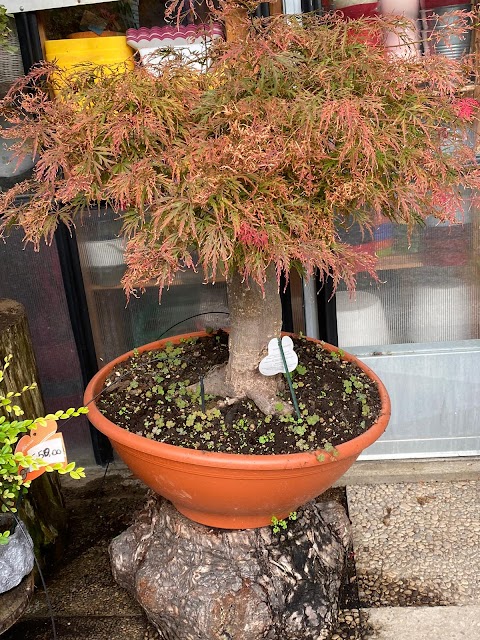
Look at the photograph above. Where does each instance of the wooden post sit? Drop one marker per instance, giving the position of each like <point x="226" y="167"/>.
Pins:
<point x="14" y="602"/>
<point x="236" y="20"/>
<point x="276" y="8"/>
<point x="235" y="24"/>
<point x="43" y="509"/>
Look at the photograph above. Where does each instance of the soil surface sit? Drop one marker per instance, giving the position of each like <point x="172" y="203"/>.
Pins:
<point x="158" y="395"/>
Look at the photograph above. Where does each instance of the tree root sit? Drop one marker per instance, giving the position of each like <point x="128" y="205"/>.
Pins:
<point x="257" y="388"/>
<point x="268" y="404"/>
<point x="215" y="382"/>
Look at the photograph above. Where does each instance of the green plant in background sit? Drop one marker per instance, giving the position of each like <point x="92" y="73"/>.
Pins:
<point x="12" y="427"/>
<point x="5" y="31"/>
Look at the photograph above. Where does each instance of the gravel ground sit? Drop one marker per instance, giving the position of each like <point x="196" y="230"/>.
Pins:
<point x="416" y="544"/>
<point x="352" y="624"/>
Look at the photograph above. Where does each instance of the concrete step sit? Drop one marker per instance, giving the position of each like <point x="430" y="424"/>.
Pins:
<point x="395" y="471"/>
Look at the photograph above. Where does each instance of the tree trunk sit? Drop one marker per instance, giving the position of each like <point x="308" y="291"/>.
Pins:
<point x="200" y="583"/>
<point x="255" y="318"/>
<point x="43" y="509"/>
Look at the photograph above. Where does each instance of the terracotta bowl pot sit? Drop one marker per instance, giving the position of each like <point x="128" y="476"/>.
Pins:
<point x="230" y="491"/>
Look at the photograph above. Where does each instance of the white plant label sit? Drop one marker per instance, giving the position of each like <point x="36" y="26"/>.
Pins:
<point x="45" y="443"/>
<point x="51" y="450"/>
<point x="273" y="362"/>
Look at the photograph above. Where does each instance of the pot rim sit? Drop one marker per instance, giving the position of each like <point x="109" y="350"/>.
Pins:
<point x="231" y="460"/>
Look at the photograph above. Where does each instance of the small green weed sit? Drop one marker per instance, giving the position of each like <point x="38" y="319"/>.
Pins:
<point x="279" y="525"/>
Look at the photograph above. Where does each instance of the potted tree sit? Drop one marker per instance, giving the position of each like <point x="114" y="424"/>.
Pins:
<point x="247" y="169"/>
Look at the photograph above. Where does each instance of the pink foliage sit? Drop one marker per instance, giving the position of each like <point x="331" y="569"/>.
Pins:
<point x="466" y="108"/>
<point x="295" y="130"/>
<point x="252" y="237"/>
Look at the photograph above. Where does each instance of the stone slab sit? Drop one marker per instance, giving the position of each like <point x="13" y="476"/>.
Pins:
<point x="425" y="623"/>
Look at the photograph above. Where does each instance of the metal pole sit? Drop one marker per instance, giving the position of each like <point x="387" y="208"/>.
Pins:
<point x="310" y="307"/>
<point x="292" y="7"/>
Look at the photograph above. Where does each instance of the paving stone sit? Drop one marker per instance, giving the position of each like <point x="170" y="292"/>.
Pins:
<point x="415" y="543"/>
<point x="438" y="623"/>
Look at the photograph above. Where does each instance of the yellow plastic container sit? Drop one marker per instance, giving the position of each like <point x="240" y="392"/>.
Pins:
<point x="110" y="50"/>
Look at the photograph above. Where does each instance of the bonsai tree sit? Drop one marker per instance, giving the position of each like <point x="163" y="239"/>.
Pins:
<point x="249" y="169"/>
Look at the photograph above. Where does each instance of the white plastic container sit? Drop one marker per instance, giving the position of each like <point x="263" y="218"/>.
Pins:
<point x="361" y="320"/>
<point x="105" y="253"/>
<point x="407" y="8"/>
<point x="441" y="312"/>
<point x="403" y="43"/>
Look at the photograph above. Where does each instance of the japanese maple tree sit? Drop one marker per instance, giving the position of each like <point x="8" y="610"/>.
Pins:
<point x="248" y="169"/>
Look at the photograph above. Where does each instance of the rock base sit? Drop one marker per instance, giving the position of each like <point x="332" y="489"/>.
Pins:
<point x="199" y="583"/>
